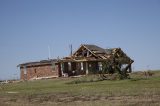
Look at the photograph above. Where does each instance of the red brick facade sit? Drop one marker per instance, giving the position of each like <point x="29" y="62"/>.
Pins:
<point x="39" y="70"/>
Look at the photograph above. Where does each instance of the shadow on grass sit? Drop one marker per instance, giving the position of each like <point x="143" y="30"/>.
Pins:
<point x="86" y="79"/>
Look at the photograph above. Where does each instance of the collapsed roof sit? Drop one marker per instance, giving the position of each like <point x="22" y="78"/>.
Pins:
<point x="88" y="52"/>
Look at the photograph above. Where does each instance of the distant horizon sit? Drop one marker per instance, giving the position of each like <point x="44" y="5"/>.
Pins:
<point x="18" y="77"/>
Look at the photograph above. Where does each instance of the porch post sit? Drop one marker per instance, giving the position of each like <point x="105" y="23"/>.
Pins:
<point x="86" y="68"/>
<point x="62" y="68"/>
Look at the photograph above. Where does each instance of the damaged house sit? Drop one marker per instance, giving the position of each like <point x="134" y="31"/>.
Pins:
<point x="38" y="70"/>
<point x="91" y="59"/>
<point x="87" y="59"/>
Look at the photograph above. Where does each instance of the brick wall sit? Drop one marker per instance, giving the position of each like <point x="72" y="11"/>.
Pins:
<point x="38" y="71"/>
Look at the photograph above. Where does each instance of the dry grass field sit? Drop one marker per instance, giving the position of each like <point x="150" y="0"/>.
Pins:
<point x="140" y="90"/>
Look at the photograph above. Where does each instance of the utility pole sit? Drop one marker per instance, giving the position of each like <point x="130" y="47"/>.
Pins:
<point x="70" y="46"/>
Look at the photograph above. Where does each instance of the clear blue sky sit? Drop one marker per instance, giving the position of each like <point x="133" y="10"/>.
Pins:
<point x="27" y="27"/>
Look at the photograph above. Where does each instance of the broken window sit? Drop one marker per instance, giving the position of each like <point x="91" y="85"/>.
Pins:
<point x="100" y="66"/>
<point x="123" y="66"/>
<point x="90" y="65"/>
<point x="25" y="70"/>
<point x="69" y="66"/>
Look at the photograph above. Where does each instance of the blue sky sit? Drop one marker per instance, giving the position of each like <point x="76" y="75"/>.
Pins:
<point x="28" y="27"/>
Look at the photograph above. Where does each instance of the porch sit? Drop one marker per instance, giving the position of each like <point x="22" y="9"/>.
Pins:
<point x="79" y="68"/>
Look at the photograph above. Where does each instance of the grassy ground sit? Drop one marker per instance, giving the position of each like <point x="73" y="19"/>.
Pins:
<point x="139" y="90"/>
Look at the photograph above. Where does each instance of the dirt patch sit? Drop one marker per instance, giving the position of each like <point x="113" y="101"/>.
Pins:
<point x="66" y="98"/>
